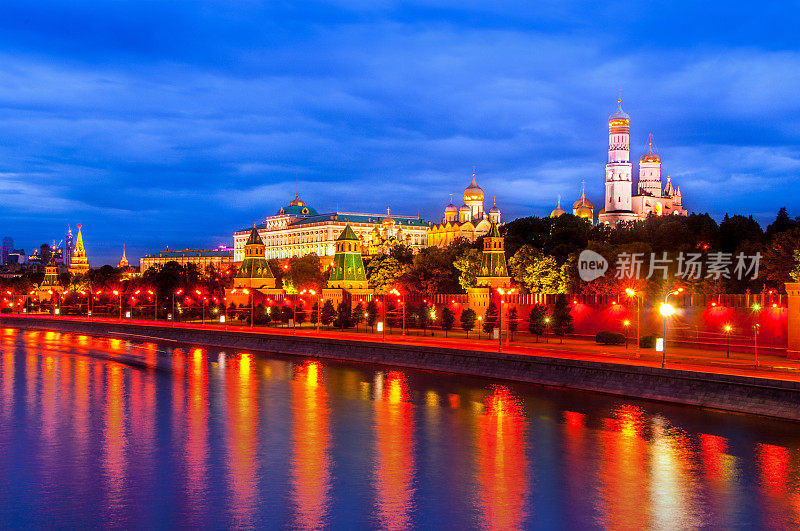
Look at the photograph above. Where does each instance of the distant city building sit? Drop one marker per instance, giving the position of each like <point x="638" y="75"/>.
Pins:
<point x="469" y="221"/>
<point x="79" y="263"/>
<point x="220" y="258"/>
<point x="8" y="246"/>
<point x="651" y="199"/>
<point x="297" y="230"/>
<point x="123" y="262"/>
<point x="69" y="247"/>
<point x="16" y="257"/>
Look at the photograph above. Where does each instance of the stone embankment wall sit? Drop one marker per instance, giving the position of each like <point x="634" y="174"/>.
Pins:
<point x="760" y="396"/>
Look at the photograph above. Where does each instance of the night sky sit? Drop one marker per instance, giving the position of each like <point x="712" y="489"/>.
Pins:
<point x="176" y="123"/>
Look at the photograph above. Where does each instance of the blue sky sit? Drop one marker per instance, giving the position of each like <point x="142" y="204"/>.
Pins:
<point x="175" y="123"/>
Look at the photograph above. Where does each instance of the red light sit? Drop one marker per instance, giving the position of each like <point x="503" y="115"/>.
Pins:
<point x="713" y="304"/>
<point x="774" y="305"/>
<point x="613" y="303"/>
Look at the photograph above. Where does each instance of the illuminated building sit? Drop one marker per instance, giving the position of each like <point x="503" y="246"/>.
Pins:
<point x="620" y="203"/>
<point x="220" y="258"/>
<point x="558" y="211"/>
<point x="583" y="208"/>
<point x="123" y="262"/>
<point x="79" y="263"/>
<point x="470" y="221"/>
<point x="493" y="272"/>
<point x="298" y="229"/>
<point x="253" y="275"/>
<point x="69" y="247"/>
<point x="8" y="246"/>
<point x="348" y="267"/>
<point x="50" y="286"/>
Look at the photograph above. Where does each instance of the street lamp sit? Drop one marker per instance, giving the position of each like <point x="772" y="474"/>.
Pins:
<point x="402" y="306"/>
<point x="665" y="310"/>
<point x="756" y="326"/>
<point x="626" y="324"/>
<point x="547" y="330"/>
<point x="174" y="315"/>
<point x="728" y="329"/>
<point x="632" y="293"/>
<point x="118" y="293"/>
<point x="502" y="292"/>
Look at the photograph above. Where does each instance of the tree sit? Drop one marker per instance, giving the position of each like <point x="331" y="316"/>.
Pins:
<point x="795" y="274"/>
<point x="260" y="314"/>
<point x="328" y="314"/>
<point x="287" y="313"/>
<point x="513" y="320"/>
<point x="562" y="318"/>
<point x="782" y="223"/>
<point x="536" y="320"/>
<point x="383" y="272"/>
<point x="358" y="315"/>
<point x="342" y="316"/>
<point x="432" y="272"/>
<point x="468" y="318"/>
<point x="304" y="272"/>
<point x="536" y="272"/>
<point x="491" y="318"/>
<point x="447" y="320"/>
<point x="372" y="313"/>
<point x="469" y="264"/>
<point x="300" y="315"/>
<point x="778" y="261"/>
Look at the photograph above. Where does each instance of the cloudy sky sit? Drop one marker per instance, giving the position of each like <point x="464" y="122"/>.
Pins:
<point x="176" y="123"/>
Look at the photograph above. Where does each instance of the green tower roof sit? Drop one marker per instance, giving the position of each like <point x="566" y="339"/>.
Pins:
<point x="254" y="238"/>
<point x="347" y="234"/>
<point x="494" y="232"/>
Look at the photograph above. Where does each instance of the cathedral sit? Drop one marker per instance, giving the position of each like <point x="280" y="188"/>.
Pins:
<point x="652" y="197"/>
<point x="470" y="221"/>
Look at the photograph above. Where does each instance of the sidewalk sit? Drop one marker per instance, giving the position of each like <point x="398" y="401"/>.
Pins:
<point x="677" y="357"/>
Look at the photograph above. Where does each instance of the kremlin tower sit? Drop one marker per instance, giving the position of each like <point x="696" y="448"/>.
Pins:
<point x="79" y="264"/>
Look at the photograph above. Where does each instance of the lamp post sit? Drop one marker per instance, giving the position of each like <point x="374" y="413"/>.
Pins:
<point x="250" y="298"/>
<point x="402" y="306"/>
<point x="203" y="301"/>
<point x="626" y="324"/>
<point x="118" y="293"/>
<point x="174" y="315"/>
<point x="547" y="330"/>
<point x="502" y="293"/>
<point x="480" y="325"/>
<point x="632" y="293"/>
<point x="666" y="310"/>
<point x="756" y="326"/>
<point x="728" y="334"/>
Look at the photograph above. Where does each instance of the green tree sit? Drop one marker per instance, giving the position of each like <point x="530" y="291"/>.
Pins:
<point x="562" y="318"/>
<point x="300" y="315"/>
<point x="513" y="321"/>
<point x="778" y="261"/>
<point x="383" y="272"/>
<point x="372" y="313"/>
<point x="448" y="319"/>
<point x="342" y="316"/>
<point x="432" y="272"/>
<point x="469" y="264"/>
<point x="358" y="315"/>
<point x="536" y="320"/>
<point x="490" y="318"/>
<point x="287" y="313"/>
<point x="468" y="318"/>
<point x="795" y="274"/>
<point x="328" y="313"/>
<point x="305" y="272"/>
<point x="536" y="272"/>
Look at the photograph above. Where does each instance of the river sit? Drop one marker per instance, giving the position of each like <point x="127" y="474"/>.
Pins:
<point x="104" y="432"/>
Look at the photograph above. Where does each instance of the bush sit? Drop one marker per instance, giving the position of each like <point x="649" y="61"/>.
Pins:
<point x="609" y="338"/>
<point x="649" y="341"/>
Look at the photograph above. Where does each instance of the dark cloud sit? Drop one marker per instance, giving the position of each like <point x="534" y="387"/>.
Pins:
<point x="158" y="123"/>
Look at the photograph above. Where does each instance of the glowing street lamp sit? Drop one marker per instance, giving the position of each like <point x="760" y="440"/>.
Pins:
<point x="547" y="330"/>
<point x="626" y="323"/>
<point x="666" y="310"/>
<point x="632" y="293"/>
<point x="402" y="306"/>
<point x="728" y="329"/>
<point x="756" y="327"/>
<point x="173" y="305"/>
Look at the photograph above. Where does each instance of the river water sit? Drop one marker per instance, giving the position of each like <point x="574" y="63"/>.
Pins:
<point x="98" y="432"/>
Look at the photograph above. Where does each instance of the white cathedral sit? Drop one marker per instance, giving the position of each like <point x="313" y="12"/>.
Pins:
<point x="652" y="197"/>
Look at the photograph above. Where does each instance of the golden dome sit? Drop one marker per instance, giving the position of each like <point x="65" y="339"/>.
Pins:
<point x="582" y="202"/>
<point x="584" y="212"/>
<point x="620" y="117"/>
<point x="558" y="210"/>
<point x="451" y="207"/>
<point x="650" y="156"/>
<point x="296" y="201"/>
<point x="473" y="192"/>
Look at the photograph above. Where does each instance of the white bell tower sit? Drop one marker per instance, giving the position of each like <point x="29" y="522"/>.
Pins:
<point x="619" y="169"/>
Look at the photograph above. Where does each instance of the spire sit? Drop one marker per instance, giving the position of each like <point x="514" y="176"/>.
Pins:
<point x="559" y="201"/>
<point x="650" y="144"/>
<point x="583" y="190"/>
<point x="79" y="240"/>
<point x="123" y="253"/>
<point x="451" y="199"/>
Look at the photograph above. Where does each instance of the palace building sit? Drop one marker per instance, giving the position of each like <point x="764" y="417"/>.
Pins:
<point x="298" y="229"/>
<point x="220" y="258"/>
<point x="469" y="221"/>
<point x="652" y="198"/>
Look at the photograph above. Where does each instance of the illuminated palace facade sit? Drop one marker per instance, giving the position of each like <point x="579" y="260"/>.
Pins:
<point x="297" y="230"/>
<point x="470" y="221"/>
<point x="652" y="197"/>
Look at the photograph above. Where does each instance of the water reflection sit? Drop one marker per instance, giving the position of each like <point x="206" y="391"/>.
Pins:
<point x="109" y="433"/>
<point x="394" y="464"/>
<point x="310" y="435"/>
<point x="502" y="464"/>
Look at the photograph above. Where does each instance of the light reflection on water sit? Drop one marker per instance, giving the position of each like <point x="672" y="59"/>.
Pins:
<point x="109" y="432"/>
